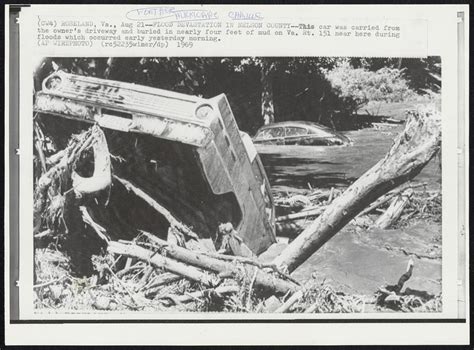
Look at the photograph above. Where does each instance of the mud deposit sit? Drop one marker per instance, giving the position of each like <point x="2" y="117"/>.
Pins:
<point x="358" y="260"/>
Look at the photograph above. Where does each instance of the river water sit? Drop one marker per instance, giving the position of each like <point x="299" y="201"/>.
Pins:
<point x="358" y="261"/>
<point x="298" y="167"/>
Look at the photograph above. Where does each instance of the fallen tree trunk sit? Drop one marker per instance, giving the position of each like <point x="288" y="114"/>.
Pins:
<point x="263" y="280"/>
<point x="410" y="152"/>
<point x="384" y="199"/>
<point x="391" y="215"/>
<point x="159" y="261"/>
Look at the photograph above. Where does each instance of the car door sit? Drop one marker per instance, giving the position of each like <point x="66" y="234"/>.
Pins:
<point x="295" y="135"/>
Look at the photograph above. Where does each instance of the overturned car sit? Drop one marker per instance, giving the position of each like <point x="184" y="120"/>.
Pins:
<point x="184" y="151"/>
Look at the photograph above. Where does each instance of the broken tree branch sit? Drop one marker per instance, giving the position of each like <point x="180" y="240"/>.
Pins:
<point x="39" y="145"/>
<point x="101" y="232"/>
<point x="43" y="234"/>
<point x="410" y="152"/>
<point x="126" y="270"/>
<point x="263" y="280"/>
<point x="300" y="215"/>
<point x="162" y="279"/>
<point x="45" y="284"/>
<point x="240" y="259"/>
<point x="384" y="199"/>
<point x="102" y="177"/>
<point x="290" y="302"/>
<point x="157" y="260"/>
<point x="158" y="207"/>
<point x="250" y="261"/>
<point x="186" y="298"/>
<point x="55" y="158"/>
<point x="391" y="215"/>
<point x="132" y="296"/>
<point x="406" y="276"/>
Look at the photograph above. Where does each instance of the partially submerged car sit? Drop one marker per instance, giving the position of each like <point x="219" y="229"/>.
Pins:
<point x="299" y="133"/>
<point x="185" y="151"/>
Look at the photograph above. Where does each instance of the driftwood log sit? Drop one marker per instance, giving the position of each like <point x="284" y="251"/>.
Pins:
<point x="410" y="152"/>
<point x="386" y="198"/>
<point x="319" y="209"/>
<point x="178" y="257"/>
<point x="393" y="212"/>
<point x="263" y="280"/>
<point x="162" y="262"/>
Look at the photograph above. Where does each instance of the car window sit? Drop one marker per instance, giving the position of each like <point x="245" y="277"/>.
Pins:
<point x="277" y="132"/>
<point x="319" y="132"/>
<point x="295" y="131"/>
<point x="265" y="134"/>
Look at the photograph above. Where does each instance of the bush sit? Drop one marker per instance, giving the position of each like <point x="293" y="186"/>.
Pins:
<point x="359" y="86"/>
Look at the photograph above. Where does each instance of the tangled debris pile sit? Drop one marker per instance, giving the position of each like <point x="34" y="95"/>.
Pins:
<point x="392" y="297"/>
<point x="103" y="241"/>
<point x="147" y="273"/>
<point x="65" y="199"/>
<point x="398" y="208"/>
<point x="139" y="287"/>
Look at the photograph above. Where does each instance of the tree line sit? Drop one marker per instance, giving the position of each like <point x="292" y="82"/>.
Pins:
<point x="262" y="90"/>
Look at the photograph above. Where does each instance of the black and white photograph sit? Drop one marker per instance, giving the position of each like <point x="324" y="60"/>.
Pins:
<point x="246" y="185"/>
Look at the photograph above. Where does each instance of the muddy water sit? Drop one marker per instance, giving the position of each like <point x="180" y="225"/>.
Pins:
<point x="358" y="261"/>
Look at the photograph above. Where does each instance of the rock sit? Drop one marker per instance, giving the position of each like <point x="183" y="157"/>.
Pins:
<point x="113" y="305"/>
<point x="271" y="304"/>
<point x="56" y="291"/>
<point x="101" y="303"/>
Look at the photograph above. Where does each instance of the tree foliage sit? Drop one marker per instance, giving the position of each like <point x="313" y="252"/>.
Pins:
<point x="358" y="86"/>
<point x="267" y="88"/>
<point x="422" y="74"/>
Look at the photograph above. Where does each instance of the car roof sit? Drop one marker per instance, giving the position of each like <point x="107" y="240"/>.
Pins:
<point x="298" y="123"/>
